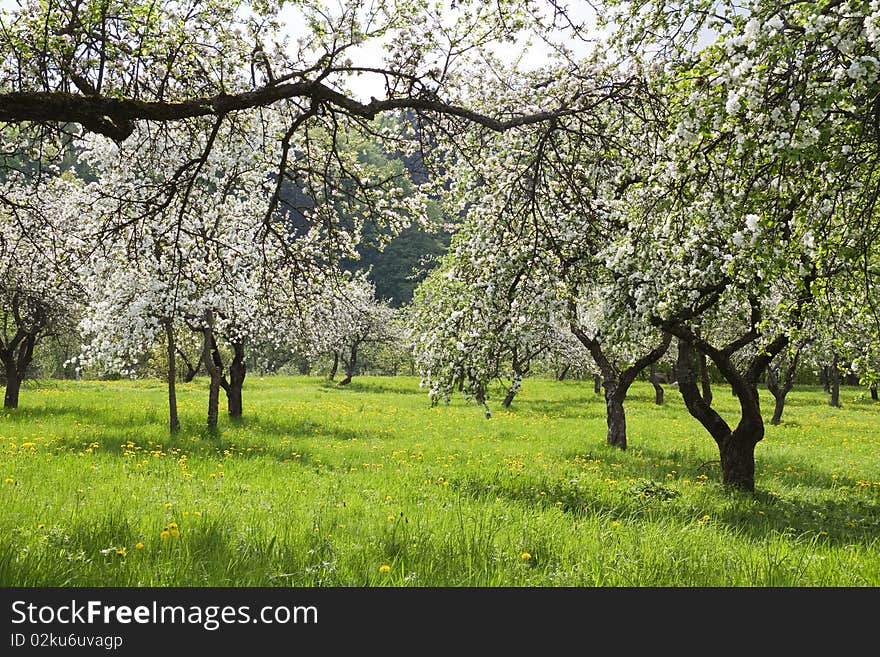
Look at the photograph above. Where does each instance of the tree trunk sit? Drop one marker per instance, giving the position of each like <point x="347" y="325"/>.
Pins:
<point x="191" y="370"/>
<point x="775" y="390"/>
<point x="615" y="414"/>
<point x="874" y="391"/>
<point x="13" y="386"/>
<point x="481" y="399"/>
<point x="738" y="458"/>
<point x="563" y="372"/>
<point x="215" y="374"/>
<point x="780" y="388"/>
<point x="736" y="448"/>
<point x="597" y="383"/>
<point x="213" y="400"/>
<point x="350" y="365"/>
<point x="335" y="367"/>
<point x="519" y="371"/>
<point x="834" y="384"/>
<point x="705" y="382"/>
<point x="173" y="420"/>
<point x="508" y="398"/>
<point x="237" y="373"/>
<point x="16" y="359"/>
<point x="778" y="408"/>
<point x="658" y="389"/>
<point x="511" y="392"/>
<point x="617" y="382"/>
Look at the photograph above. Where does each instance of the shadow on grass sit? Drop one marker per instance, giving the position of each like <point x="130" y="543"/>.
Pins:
<point x="643" y="489"/>
<point x="145" y="432"/>
<point x="691" y="464"/>
<point x="561" y="409"/>
<point x="363" y="384"/>
<point x="757" y="516"/>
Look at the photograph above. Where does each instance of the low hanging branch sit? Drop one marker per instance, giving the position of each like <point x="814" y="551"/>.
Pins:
<point x="115" y="117"/>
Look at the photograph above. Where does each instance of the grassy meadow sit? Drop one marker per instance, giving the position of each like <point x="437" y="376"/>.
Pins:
<point x="370" y="486"/>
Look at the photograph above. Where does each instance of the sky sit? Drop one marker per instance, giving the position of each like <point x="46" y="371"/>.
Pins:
<point x="371" y="55"/>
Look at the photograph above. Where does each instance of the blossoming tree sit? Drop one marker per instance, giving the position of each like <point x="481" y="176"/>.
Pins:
<point x="765" y="183"/>
<point x="39" y="245"/>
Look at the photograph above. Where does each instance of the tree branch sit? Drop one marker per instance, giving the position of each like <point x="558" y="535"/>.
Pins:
<point x="115" y="117"/>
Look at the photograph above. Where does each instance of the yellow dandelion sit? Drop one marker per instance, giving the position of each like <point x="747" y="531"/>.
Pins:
<point x="525" y="556"/>
<point x="384" y="568"/>
<point x="9" y="480"/>
<point x="168" y="505"/>
<point x="175" y="533"/>
<point x="172" y="525"/>
<point x="121" y="552"/>
<point x="138" y="546"/>
<point x="165" y="534"/>
<point x="41" y="526"/>
<point x="388" y="498"/>
<point x="391" y="517"/>
<point x="197" y="513"/>
<point x="616" y="523"/>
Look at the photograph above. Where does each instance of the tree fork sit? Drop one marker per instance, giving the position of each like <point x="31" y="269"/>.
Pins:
<point x="617" y="383"/>
<point x="780" y="388"/>
<point x="736" y="447"/>
<point x="350" y="364"/>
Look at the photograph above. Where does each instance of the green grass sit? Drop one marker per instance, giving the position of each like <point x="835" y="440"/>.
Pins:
<point x="321" y="486"/>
